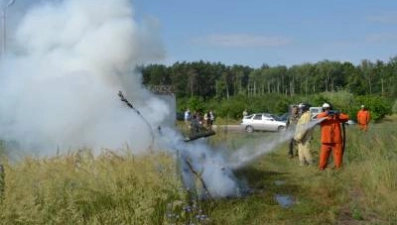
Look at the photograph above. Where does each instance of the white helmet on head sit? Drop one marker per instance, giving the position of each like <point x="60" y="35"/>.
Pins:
<point x="362" y="106"/>
<point x="326" y="105"/>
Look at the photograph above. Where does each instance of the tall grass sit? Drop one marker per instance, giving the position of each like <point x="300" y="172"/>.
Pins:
<point x="79" y="188"/>
<point x="373" y="170"/>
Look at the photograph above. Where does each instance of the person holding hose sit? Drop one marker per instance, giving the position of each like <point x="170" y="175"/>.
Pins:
<point x="331" y="136"/>
<point x="303" y="135"/>
<point x="363" y="118"/>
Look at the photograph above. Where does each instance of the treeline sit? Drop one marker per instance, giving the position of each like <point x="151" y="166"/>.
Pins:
<point x="216" y="80"/>
<point x="230" y="89"/>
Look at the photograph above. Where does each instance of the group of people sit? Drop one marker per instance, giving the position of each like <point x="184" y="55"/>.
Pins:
<point x="332" y="136"/>
<point x="197" y="121"/>
<point x="301" y="123"/>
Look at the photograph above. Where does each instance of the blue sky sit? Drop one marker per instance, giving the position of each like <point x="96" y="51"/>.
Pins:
<point x="282" y="32"/>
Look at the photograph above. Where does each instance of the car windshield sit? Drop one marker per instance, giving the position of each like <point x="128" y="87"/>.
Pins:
<point x="248" y="117"/>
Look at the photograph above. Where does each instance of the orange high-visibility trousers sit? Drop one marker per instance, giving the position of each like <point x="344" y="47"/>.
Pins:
<point x="326" y="151"/>
<point x="363" y="127"/>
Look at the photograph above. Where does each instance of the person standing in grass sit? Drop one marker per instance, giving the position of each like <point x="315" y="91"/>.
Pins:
<point x="291" y="125"/>
<point x="245" y="113"/>
<point x="303" y="135"/>
<point x="187" y="117"/>
<point x="206" y="120"/>
<point x="195" y="125"/>
<point x="363" y="118"/>
<point x="212" y="118"/>
<point x="331" y="135"/>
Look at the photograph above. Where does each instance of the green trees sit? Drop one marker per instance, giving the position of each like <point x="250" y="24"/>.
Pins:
<point x="378" y="105"/>
<point x="210" y="80"/>
<point x="216" y="82"/>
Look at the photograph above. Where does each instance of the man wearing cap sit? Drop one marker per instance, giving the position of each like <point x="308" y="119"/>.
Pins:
<point x="363" y="118"/>
<point x="331" y="135"/>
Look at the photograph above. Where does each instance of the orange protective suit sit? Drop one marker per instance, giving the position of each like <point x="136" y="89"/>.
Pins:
<point x="363" y="118"/>
<point x="331" y="138"/>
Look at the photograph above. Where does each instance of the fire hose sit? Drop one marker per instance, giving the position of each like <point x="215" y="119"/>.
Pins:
<point x="343" y="138"/>
<point x="123" y="99"/>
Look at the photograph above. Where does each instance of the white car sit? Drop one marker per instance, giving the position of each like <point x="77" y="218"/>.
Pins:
<point x="315" y="111"/>
<point x="262" y="122"/>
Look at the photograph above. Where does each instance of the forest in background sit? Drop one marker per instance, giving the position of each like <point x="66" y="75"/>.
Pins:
<point x="230" y="89"/>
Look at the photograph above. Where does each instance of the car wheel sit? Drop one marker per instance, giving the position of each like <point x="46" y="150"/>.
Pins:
<point x="280" y="128"/>
<point x="249" y="129"/>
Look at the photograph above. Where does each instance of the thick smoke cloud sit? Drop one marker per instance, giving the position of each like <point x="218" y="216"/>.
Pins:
<point x="67" y="61"/>
<point x="59" y="82"/>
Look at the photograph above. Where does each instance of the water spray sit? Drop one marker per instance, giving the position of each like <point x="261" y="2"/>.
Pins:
<point x="204" y="172"/>
<point x="242" y="156"/>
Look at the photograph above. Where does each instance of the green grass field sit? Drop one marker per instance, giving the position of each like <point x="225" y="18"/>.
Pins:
<point x="111" y="189"/>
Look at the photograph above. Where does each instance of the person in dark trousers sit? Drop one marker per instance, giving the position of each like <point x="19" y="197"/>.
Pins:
<point x="212" y="118"/>
<point x="195" y="125"/>
<point x="291" y="126"/>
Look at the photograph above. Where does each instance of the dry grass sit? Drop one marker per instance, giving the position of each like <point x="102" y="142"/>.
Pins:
<point x="82" y="189"/>
<point x="112" y="189"/>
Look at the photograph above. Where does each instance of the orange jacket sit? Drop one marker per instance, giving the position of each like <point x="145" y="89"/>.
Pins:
<point x="363" y="117"/>
<point x="331" y="128"/>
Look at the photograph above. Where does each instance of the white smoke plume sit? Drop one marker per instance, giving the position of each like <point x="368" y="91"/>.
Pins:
<point x="59" y="83"/>
<point x="60" y="79"/>
<point x="65" y="64"/>
<point x="203" y="170"/>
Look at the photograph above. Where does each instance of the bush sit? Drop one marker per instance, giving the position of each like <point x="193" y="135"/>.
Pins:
<point x="270" y="103"/>
<point x="342" y="100"/>
<point x="378" y="106"/>
<point x="394" y="107"/>
<point x="346" y="102"/>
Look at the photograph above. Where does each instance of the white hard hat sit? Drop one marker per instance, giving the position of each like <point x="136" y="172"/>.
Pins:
<point x="362" y="106"/>
<point x="326" y="105"/>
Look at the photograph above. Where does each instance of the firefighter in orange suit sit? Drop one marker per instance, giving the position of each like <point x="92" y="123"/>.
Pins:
<point x="363" y="118"/>
<point x="331" y="136"/>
